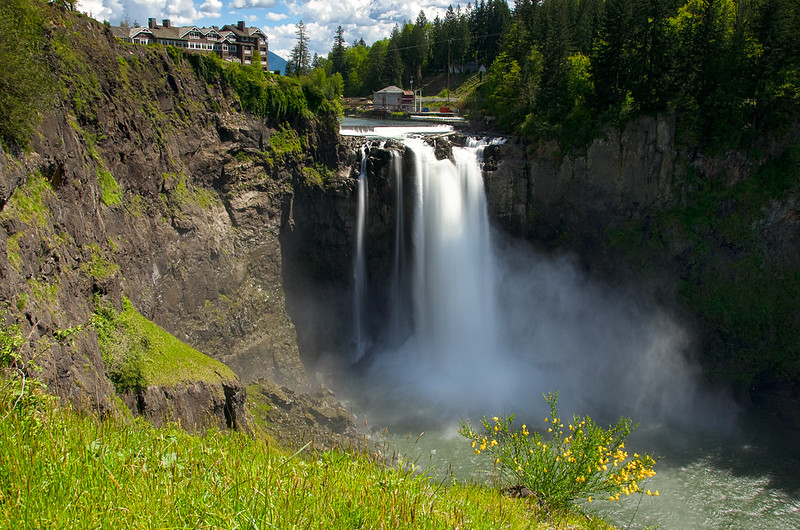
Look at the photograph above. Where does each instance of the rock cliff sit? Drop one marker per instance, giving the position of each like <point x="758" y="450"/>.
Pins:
<point x="147" y="182"/>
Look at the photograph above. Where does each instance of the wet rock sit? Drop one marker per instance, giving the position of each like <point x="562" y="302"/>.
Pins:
<point x="295" y="418"/>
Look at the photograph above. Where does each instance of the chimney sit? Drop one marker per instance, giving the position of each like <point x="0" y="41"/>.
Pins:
<point x="151" y="23"/>
<point x="166" y="23"/>
<point x="240" y="25"/>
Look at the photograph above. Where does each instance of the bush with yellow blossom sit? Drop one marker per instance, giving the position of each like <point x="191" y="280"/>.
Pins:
<point x="579" y="462"/>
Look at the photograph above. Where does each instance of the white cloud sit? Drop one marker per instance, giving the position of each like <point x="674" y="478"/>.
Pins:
<point x="181" y="11"/>
<point x="282" y="39"/>
<point x="370" y="20"/>
<point x="211" y="8"/>
<point x="247" y="4"/>
<point x="100" y="9"/>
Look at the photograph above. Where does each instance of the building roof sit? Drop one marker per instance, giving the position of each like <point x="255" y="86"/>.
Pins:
<point x="171" y="32"/>
<point x="391" y="89"/>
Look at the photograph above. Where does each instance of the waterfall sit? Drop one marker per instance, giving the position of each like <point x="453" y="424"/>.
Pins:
<point x="359" y="261"/>
<point x="452" y="282"/>
<point x="441" y="319"/>
<point x="399" y="321"/>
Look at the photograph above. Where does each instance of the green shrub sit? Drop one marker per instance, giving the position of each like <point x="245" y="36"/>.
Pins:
<point x="123" y="355"/>
<point x="562" y="468"/>
<point x="28" y="202"/>
<point x="11" y="340"/>
<point x="99" y="266"/>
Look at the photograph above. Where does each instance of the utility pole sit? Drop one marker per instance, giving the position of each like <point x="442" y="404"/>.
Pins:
<point x="413" y="95"/>
<point x="448" y="69"/>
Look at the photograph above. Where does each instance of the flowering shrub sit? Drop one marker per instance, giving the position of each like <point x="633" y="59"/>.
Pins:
<point x="582" y="462"/>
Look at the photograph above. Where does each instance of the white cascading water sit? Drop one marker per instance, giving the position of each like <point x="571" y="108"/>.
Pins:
<point x="359" y="265"/>
<point x="453" y="278"/>
<point x="441" y="331"/>
<point x="399" y="322"/>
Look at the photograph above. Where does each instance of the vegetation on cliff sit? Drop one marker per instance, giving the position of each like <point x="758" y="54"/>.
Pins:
<point x="739" y="272"/>
<point x="273" y="96"/>
<point x="26" y="83"/>
<point x="137" y="353"/>
<point x="32" y="29"/>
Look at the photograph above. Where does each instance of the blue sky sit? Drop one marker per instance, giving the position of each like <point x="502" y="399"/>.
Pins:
<point x="370" y="20"/>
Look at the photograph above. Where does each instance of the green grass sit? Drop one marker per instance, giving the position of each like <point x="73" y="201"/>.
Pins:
<point x="27" y="203"/>
<point x="139" y="353"/>
<point x="99" y="266"/>
<point x="111" y="192"/>
<point x="12" y="251"/>
<point x="60" y="469"/>
<point x="181" y="195"/>
<point x="64" y="469"/>
<point x="285" y="141"/>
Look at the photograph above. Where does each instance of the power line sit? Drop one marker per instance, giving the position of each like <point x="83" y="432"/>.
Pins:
<point x="450" y="39"/>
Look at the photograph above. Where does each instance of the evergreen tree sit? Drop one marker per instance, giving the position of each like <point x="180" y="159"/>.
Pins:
<point x="650" y="57"/>
<point x="374" y="70"/>
<point x="776" y="26"/>
<point x="439" y="44"/>
<point x="418" y="43"/>
<point x="299" y="61"/>
<point x="609" y="60"/>
<point x="392" y="73"/>
<point x="553" y="100"/>
<point x="337" y="55"/>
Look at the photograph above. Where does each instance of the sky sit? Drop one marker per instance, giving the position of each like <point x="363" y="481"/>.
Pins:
<point x="368" y="19"/>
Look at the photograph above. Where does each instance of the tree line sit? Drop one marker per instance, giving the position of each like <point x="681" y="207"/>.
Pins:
<point x="556" y="68"/>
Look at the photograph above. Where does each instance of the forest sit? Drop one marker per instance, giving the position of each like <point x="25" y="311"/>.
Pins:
<point x="728" y="69"/>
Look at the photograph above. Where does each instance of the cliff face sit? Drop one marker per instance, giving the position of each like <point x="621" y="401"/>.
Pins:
<point x="548" y="196"/>
<point x="149" y="183"/>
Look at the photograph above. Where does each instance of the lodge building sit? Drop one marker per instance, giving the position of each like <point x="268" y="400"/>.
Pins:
<point x="232" y="43"/>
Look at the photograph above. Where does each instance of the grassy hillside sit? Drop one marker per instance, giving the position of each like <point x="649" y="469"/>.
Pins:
<point x="61" y="469"/>
<point x="137" y="353"/>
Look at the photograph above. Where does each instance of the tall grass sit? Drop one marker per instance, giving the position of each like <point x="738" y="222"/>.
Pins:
<point x="62" y="469"/>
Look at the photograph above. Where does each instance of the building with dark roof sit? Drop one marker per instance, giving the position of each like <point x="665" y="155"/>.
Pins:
<point x="235" y="43"/>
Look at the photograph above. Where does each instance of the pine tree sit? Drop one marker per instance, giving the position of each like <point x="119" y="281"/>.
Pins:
<point x="300" y="59"/>
<point x="337" y="54"/>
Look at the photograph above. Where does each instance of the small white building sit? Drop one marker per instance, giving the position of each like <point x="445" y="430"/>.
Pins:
<point x="393" y="99"/>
